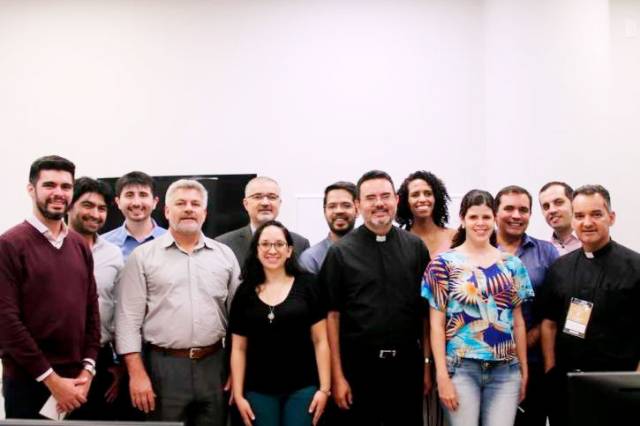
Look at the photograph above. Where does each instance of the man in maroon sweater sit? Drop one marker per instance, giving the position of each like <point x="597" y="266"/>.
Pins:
<point x="50" y="325"/>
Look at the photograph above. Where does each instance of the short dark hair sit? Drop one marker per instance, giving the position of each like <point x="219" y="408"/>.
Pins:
<point x="50" y="162"/>
<point x="253" y="271"/>
<point x="592" y="190"/>
<point x="475" y="197"/>
<point x="373" y="174"/>
<point x="568" y="191"/>
<point x="135" y="178"/>
<point x="440" y="213"/>
<point x="86" y="184"/>
<point x="343" y="185"/>
<point x="512" y="189"/>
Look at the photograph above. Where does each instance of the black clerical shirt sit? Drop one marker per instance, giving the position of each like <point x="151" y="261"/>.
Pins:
<point x="375" y="285"/>
<point x="610" y="279"/>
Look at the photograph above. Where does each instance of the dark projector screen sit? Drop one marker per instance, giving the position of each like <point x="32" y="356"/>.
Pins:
<point x="225" y="210"/>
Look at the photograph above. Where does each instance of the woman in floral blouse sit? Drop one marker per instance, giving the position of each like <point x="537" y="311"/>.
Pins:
<point x="478" y="336"/>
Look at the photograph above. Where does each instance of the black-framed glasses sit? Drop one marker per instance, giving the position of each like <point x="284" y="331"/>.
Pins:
<point x="260" y="196"/>
<point x="267" y="245"/>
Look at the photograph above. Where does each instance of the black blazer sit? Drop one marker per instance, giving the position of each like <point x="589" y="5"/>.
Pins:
<point x="239" y="241"/>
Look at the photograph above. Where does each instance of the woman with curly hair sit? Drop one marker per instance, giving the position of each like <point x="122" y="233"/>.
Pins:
<point x="422" y="210"/>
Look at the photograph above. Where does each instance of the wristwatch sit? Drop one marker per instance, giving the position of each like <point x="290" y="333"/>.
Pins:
<point x="90" y="368"/>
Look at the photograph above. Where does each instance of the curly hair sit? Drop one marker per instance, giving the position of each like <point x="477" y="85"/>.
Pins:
<point x="440" y="214"/>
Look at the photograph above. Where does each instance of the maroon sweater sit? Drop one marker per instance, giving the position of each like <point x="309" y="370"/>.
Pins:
<point x="48" y="304"/>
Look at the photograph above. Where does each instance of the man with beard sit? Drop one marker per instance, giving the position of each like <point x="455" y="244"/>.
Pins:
<point x="513" y="212"/>
<point x="372" y="281"/>
<point x="262" y="203"/>
<point x="87" y="215"/>
<point x="340" y="212"/>
<point x="136" y="199"/>
<point x="555" y="201"/>
<point x="50" y="332"/>
<point x="174" y="294"/>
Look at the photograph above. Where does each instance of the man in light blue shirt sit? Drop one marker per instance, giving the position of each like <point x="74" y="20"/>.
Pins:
<point x="340" y="212"/>
<point x="513" y="211"/>
<point x="136" y="199"/>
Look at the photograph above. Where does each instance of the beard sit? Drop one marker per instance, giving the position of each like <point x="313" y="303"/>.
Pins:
<point x="341" y="232"/>
<point x="42" y="208"/>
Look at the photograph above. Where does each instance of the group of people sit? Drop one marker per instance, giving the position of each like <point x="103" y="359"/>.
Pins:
<point x="383" y="324"/>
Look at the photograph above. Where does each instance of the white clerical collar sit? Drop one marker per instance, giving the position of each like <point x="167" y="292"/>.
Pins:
<point x="381" y="238"/>
<point x="589" y="255"/>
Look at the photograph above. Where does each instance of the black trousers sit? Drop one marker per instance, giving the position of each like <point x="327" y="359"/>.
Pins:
<point x="23" y="397"/>
<point x="387" y="391"/>
<point x="535" y="405"/>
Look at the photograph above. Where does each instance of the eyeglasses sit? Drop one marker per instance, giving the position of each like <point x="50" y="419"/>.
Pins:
<point x="259" y="196"/>
<point x="267" y="245"/>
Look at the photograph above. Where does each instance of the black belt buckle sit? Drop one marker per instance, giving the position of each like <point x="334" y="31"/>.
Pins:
<point x="387" y="353"/>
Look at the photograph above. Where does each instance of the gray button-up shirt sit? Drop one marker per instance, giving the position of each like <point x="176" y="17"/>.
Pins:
<point x="174" y="299"/>
<point x="107" y="264"/>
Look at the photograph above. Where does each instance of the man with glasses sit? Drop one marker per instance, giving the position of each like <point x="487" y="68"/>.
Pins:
<point x="262" y="203"/>
<point x="371" y="278"/>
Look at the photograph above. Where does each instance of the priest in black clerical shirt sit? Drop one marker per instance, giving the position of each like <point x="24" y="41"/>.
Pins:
<point x="589" y="302"/>
<point x="372" y="281"/>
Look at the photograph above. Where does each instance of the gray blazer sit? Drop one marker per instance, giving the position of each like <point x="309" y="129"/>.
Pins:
<point x="239" y="241"/>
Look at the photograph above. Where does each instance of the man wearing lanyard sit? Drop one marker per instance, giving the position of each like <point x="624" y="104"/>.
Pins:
<point x="49" y="321"/>
<point x="175" y="294"/>
<point x="372" y="281"/>
<point x="589" y="303"/>
<point x="513" y="211"/>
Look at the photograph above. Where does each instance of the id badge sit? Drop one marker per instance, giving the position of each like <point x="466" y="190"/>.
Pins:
<point x="578" y="317"/>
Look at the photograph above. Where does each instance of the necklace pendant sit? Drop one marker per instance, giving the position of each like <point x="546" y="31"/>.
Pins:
<point x="271" y="316"/>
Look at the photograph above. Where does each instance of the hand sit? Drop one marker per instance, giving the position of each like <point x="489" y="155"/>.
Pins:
<point x="245" y="411"/>
<point x="427" y="381"/>
<point x="84" y="387"/>
<point x="67" y="392"/>
<point x="523" y="386"/>
<point x="227" y="388"/>
<point x="142" y="395"/>
<point x="117" y="373"/>
<point x="447" y="392"/>
<point x="318" y="404"/>
<point x="342" y="393"/>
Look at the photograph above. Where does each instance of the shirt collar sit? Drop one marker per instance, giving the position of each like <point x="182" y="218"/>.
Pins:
<point x="566" y="242"/>
<point x="42" y="228"/>
<point x="604" y="250"/>
<point x="123" y="233"/>
<point x="378" y="238"/>
<point x="166" y="240"/>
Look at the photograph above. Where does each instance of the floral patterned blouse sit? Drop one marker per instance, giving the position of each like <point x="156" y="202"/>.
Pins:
<point x="478" y="303"/>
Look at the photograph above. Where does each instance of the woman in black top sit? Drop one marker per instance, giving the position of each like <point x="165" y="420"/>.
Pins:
<point x="280" y="356"/>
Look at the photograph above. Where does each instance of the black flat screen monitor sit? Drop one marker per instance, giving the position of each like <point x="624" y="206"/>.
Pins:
<point x="604" y="398"/>
<point x="225" y="211"/>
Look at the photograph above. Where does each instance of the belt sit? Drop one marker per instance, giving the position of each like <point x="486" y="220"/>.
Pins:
<point x="191" y="353"/>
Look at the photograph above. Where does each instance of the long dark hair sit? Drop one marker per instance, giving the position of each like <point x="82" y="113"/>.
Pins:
<point x="440" y="213"/>
<point x="475" y="197"/>
<point x="253" y="271"/>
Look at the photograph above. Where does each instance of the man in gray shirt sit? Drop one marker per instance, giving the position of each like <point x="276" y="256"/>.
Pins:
<point x="87" y="215"/>
<point x="174" y="294"/>
<point x="341" y="212"/>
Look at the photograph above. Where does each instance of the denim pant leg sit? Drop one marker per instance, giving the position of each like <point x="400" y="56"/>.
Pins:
<point x="295" y="411"/>
<point x="501" y="394"/>
<point x="466" y="378"/>
<point x="265" y="407"/>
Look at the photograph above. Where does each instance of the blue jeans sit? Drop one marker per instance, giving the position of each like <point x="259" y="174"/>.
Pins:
<point x="488" y="392"/>
<point x="289" y="409"/>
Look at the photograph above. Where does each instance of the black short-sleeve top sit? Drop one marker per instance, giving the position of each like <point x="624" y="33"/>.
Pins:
<point x="280" y="352"/>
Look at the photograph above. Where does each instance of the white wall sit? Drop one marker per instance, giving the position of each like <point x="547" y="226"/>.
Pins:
<point x="483" y="93"/>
